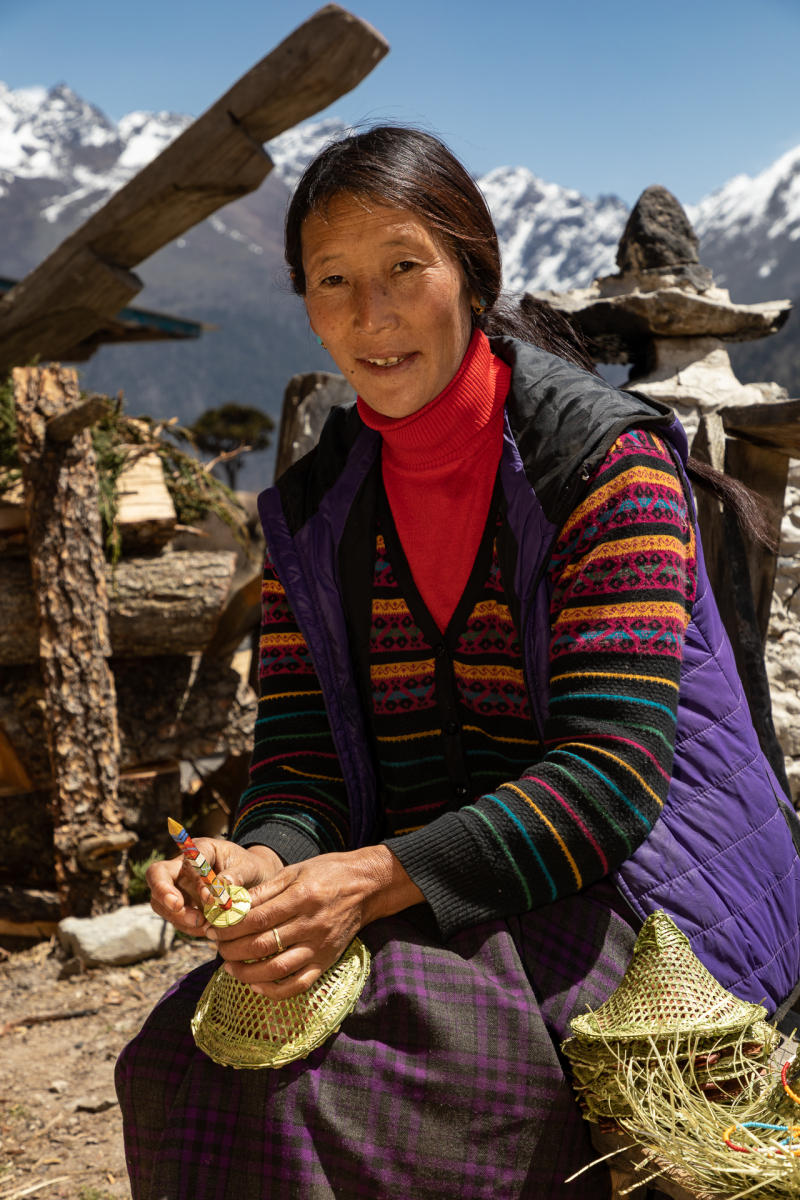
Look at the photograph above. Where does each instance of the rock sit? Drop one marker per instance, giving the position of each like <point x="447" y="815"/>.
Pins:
<point x="307" y="401"/>
<point x="620" y="315"/>
<point x="694" y="376"/>
<point x="658" y="234"/>
<point x="125" y="936"/>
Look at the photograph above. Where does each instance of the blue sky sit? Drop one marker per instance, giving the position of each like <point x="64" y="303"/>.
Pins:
<point x="599" y="95"/>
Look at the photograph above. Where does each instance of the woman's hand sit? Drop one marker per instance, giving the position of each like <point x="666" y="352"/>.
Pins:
<point x="306" y="915"/>
<point x="177" y="892"/>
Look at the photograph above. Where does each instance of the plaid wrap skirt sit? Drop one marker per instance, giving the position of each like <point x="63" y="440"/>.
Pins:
<point x="445" y="1081"/>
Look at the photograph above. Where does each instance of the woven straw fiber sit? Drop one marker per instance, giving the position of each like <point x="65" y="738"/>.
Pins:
<point x="777" y="1105"/>
<point x="666" y="990"/>
<point x="604" y="1090"/>
<point x="237" y="1027"/>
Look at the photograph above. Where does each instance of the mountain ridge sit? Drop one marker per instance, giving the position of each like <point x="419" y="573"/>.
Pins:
<point x="61" y="157"/>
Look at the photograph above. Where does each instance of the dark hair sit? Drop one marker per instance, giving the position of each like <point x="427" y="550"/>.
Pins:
<point x="408" y="169"/>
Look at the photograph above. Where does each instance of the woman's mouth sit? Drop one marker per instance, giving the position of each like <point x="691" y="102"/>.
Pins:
<point x="392" y="360"/>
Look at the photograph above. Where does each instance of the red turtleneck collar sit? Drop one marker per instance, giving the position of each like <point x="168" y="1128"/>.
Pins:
<point x="439" y="466"/>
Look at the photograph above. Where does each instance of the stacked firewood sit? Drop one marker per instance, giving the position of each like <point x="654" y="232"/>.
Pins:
<point x="115" y="677"/>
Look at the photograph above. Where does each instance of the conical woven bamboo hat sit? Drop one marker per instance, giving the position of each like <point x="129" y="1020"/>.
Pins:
<point x="665" y="991"/>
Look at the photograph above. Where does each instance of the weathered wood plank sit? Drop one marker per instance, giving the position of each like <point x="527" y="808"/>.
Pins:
<point x="766" y="471"/>
<point x="145" y="512"/>
<point x="64" y="426"/>
<point x="307" y="400"/>
<point x="167" y="604"/>
<point x="58" y="303"/>
<point x="726" y="556"/>
<point x="775" y="425"/>
<point x="71" y="606"/>
<point x="217" y="159"/>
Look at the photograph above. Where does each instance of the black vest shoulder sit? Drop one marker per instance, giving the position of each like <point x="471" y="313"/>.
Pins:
<point x="565" y="420"/>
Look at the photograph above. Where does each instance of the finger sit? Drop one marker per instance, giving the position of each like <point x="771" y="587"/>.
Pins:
<point x="292" y="985"/>
<point x="271" y="970"/>
<point x="187" y="918"/>
<point x="169" y="901"/>
<point x="261" y="921"/>
<point x="161" y="877"/>
<point x="260" y="945"/>
<point x="271" y="889"/>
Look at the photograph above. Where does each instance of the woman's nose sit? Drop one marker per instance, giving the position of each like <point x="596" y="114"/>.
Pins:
<point x="373" y="307"/>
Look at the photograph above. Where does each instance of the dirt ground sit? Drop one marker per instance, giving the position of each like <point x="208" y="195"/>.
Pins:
<point x="60" y="1126"/>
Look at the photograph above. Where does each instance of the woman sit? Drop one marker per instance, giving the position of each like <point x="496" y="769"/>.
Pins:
<point x="499" y="724"/>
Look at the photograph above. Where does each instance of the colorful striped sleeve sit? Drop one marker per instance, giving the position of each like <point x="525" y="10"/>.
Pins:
<point x="295" y="801"/>
<point x="622" y="579"/>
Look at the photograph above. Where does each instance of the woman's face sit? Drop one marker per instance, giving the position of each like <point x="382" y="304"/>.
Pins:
<point x="388" y="299"/>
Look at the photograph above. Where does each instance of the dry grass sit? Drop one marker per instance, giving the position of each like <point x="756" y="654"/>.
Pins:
<point x="683" y="1133"/>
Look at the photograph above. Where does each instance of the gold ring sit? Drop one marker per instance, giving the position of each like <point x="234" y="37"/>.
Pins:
<point x="278" y="942"/>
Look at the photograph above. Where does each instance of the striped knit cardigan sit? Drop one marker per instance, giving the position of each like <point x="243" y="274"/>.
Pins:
<point x="562" y="425"/>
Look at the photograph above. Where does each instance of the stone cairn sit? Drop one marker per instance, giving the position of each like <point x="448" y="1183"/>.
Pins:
<point x="662" y="315"/>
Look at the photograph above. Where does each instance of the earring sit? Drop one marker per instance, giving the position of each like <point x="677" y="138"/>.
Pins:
<point x="319" y="339"/>
<point x="480" y="307"/>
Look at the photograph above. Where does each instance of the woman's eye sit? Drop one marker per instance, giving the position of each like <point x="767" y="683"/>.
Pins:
<point x="404" y="266"/>
<point x="332" y="280"/>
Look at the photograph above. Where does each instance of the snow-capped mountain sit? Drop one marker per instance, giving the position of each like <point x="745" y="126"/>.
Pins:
<point x="55" y="135"/>
<point x="750" y="230"/>
<point x="293" y="150"/>
<point x="61" y="158"/>
<point x="551" y="237"/>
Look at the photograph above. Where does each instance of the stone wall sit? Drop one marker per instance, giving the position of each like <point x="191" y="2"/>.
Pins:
<point x="783" y="639"/>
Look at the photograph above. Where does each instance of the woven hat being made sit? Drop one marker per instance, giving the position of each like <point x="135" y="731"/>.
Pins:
<point x="238" y="1027"/>
<point x="666" y="991"/>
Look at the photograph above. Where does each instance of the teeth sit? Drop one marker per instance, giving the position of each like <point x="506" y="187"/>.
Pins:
<point x="386" y="362"/>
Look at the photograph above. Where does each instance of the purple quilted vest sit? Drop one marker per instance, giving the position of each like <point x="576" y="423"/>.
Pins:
<point x="720" y="859"/>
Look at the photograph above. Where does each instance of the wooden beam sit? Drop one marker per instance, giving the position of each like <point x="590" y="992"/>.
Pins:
<point x="60" y="302"/>
<point x="13" y="776"/>
<point x="64" y="426"/>
<point x="307" y="400"/>
<point x="216" y="160"/>
<point x="69" y="583"/>
<point x="774" y="424"/>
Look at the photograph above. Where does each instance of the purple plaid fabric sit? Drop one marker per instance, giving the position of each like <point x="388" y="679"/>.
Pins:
<point x="444" y="1082"/>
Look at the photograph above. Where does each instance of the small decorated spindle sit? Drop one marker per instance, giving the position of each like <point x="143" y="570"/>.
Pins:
<point x="231" y="903"/>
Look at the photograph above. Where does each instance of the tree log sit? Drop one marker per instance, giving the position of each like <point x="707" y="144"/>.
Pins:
<point x="165" y="604"/>
<point x="168" y="708"/>
<point x="28" y="912"/>
<point x="71" y="602"/>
